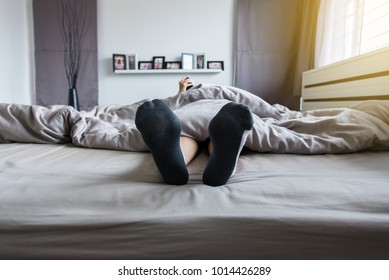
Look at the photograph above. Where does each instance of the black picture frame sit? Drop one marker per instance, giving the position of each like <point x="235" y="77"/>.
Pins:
<point x="158" y="62"/>
<point x="172" y="65"/>
<point x="119" y="62"/>
<point x="215" y="64"/>
<point x="145" y="65"/>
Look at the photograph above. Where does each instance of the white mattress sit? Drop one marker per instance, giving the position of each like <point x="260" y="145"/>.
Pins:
<point x="66" y="202"/>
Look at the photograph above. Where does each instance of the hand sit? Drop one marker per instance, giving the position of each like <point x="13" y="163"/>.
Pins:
<point x="184" y="83"/>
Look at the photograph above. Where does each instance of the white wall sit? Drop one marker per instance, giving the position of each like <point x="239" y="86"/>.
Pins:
<point x="161" y="28"/>
<point x="146" y="27"/>
<point x="16" y="52"/>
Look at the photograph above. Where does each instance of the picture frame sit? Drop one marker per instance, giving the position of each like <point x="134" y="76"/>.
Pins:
<point x="200" y="61"/>
<point x="119" y="62"/>
<point x="132" y="61"/>
<point x="187" y="61"/>
<point x="215" y="65"/>
<point x="158" y="62"/>
<point x="145" y="65"/>
<point x="172" y="65"/>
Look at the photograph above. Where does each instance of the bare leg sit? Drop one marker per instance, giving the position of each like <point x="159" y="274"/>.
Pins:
<point x="189" y="148"/>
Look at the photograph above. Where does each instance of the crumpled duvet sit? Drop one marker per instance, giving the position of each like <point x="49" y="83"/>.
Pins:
<point x="276" y="128"/>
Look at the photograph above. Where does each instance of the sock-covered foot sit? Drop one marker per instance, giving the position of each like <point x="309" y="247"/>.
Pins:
<point x="161" y="131"/>
<point x="228" y="131"/>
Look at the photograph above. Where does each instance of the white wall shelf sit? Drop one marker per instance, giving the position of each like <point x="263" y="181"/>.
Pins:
<point x="170" y="71"/>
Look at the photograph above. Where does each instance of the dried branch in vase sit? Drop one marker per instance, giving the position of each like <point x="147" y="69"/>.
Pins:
<point x="74" y="21"/>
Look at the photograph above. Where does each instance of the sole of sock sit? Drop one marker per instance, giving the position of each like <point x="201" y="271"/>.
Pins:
<point x="161" y="131"/>
<point x="228" y="131"/>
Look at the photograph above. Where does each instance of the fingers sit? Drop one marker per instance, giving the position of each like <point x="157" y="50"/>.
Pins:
<point x="186" y="80"/>
<point x="183" y="79"/>
<point x="188" y="83"/>
<point x="185" y="83"/>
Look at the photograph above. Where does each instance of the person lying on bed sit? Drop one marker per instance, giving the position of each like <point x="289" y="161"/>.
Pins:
<point x="161" y="131"/>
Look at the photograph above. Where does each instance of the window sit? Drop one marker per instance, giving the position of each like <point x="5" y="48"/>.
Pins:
<point x="348" y="28"/>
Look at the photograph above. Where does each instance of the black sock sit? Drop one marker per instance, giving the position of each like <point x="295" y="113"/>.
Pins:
<point x="161" y="131"/>
<point x="228" y="131"/>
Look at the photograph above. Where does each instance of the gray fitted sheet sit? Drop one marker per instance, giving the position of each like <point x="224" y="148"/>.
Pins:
<point x="66" y="202"/>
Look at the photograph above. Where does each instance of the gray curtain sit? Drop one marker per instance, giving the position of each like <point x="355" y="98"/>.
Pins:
<point x="51" y="83"/>
<point x="275" y="44"/>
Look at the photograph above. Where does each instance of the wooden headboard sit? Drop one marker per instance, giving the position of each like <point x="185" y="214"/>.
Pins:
<point x="346" y="83"/>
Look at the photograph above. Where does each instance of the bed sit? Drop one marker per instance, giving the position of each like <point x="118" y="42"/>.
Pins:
<point x="347" y="83"/>
<point x="78" y="197"/>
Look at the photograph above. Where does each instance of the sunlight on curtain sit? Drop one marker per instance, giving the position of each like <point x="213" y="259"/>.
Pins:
<point x="275" y="43"/>
<point x="348" y="28"/>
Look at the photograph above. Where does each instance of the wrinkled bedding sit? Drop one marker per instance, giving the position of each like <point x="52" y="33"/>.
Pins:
<point x="276" y="128"/>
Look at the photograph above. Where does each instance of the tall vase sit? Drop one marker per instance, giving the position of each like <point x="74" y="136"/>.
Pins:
<point x="73" y="99"/>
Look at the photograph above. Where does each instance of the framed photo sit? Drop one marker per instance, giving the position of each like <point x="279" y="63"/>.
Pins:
<point x="158" y="62"/>
<point x="173" y="65"/>
<point x="119" y="62"/>
<point x="132" y="61"/>
<point x="200" y="60"/>
<point x="145" y="65"/>
<point x="215" y="65"/>
<point x="188" y="60"/>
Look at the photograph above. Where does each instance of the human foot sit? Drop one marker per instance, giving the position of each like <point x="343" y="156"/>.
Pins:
<point x="161" y="130"/>
<point x="228" y="131"/>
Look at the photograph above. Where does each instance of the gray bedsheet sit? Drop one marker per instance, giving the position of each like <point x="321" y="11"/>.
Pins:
<point x="276" y="129"/>
<point x="66" y="202"/>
